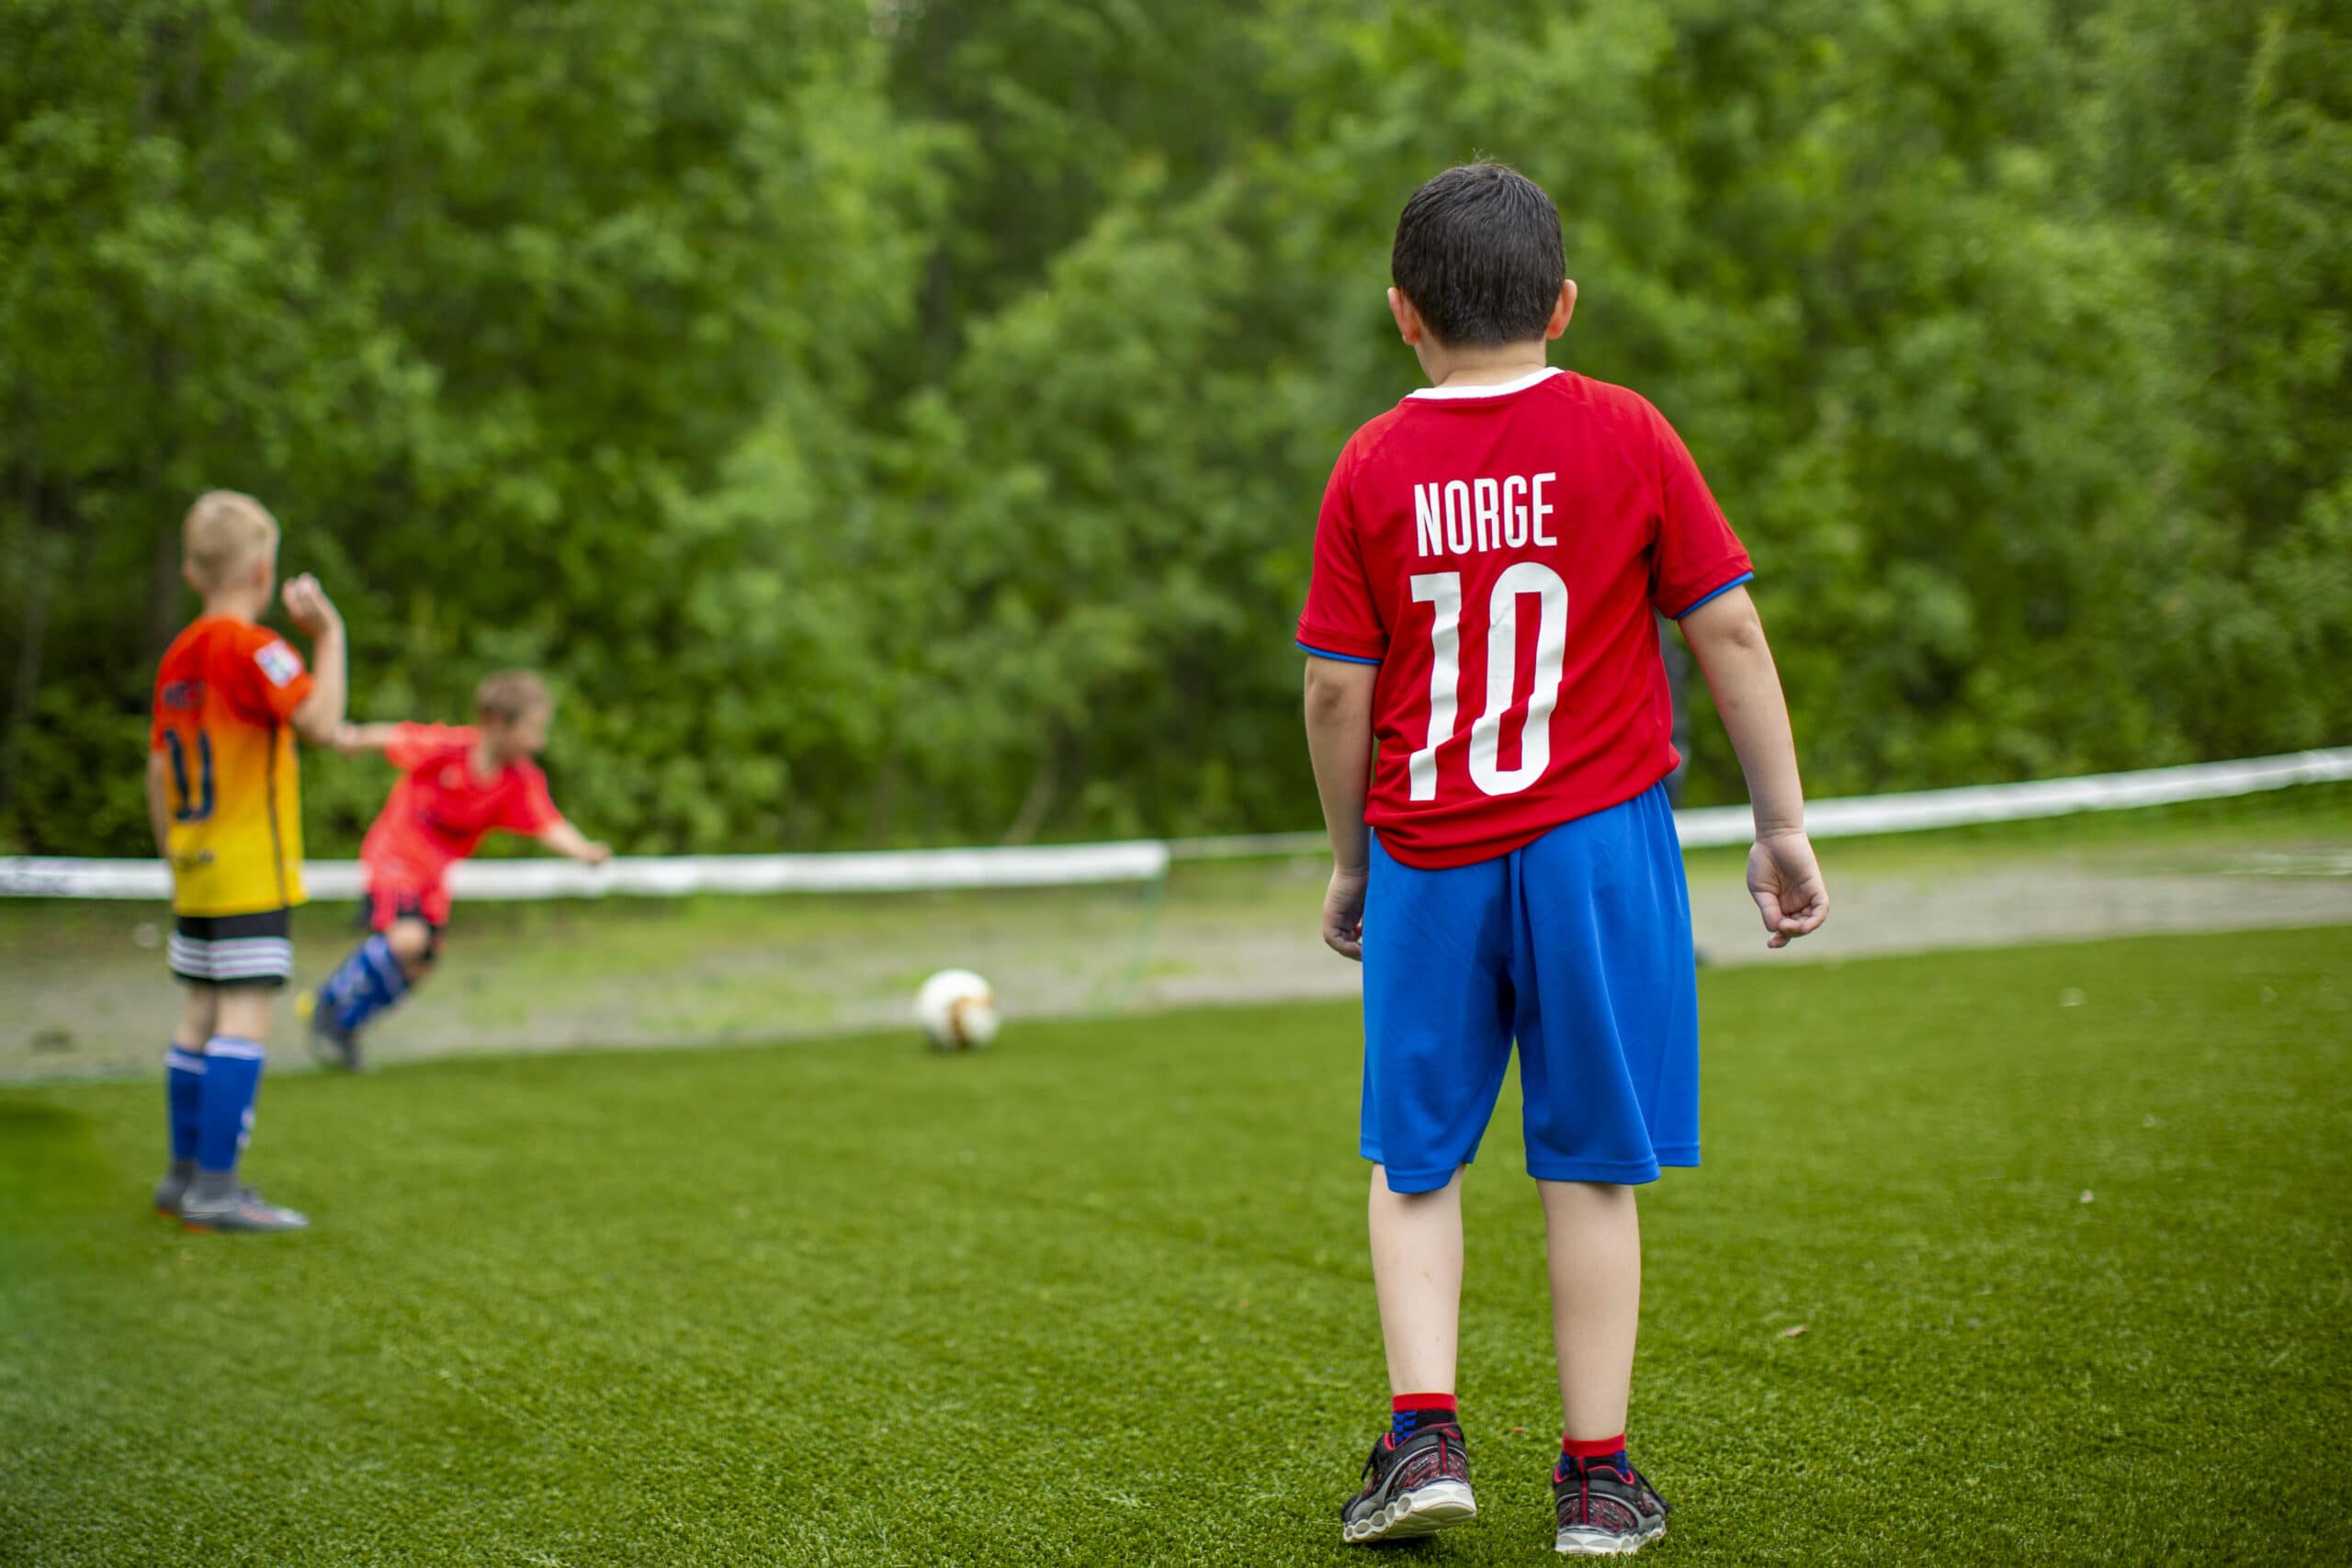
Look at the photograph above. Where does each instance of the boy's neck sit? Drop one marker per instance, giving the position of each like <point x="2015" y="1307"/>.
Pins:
<point x="485" y="760"/>
<point x="1480" y="367"/>
<point x="235" y="606"/>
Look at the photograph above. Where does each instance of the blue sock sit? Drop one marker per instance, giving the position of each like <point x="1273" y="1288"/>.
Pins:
<point x="1408" y="1412"/>
<point x="365" y="984"/>
<point x="232" y="1078"/>
<point x="184" y="1087"/>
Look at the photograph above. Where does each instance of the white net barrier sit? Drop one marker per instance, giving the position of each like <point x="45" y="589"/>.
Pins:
<point x="1147" y="860"/>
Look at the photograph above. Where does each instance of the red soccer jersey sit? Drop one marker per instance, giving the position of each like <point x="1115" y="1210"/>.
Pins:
<point x="440" y="810"/>
<point x="1498" y="552"/>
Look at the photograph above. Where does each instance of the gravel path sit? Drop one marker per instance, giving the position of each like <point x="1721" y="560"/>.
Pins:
<point x="1869" y="915"/>
<point x="82" y="993"/>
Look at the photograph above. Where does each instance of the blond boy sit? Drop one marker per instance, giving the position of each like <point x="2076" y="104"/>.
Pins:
<point x="224" y="797"/>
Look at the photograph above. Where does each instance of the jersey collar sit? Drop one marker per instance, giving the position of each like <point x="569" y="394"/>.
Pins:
<point x="1500" y="389"/>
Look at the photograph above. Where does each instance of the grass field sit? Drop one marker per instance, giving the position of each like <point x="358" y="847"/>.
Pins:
<point x="2065" y="1231"/>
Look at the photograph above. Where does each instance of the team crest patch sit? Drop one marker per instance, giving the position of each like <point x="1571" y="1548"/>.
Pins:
<point x="279" y="662"/>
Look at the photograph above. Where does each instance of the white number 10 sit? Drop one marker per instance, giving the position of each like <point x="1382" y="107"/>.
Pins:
<point x="1442" y="592"/>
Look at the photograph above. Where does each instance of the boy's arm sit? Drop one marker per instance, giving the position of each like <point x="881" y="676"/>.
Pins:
<point x="568" y="841"/>
<point x="1338" y="740"/>
<point x="353" y="738"/>
<point x="318" y="720"/>
<point x="159" y="802"/>
<point x="1782" y="876"/>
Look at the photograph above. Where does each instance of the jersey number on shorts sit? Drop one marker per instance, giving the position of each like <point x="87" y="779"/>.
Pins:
<point x="1442" y="592"/>
<point x="197" y="805"/>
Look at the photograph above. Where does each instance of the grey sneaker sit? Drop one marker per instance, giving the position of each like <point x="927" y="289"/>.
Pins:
<point x="1413" y="1488"/>
<point x="169" y="1193"/>
<point x="243" y="1210"/>
<point x="1602" y="1511"/>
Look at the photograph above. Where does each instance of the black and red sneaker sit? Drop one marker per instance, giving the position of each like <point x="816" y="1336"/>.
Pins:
<point x="1411" y="1488"/>
<point x="1604" y="1511"/>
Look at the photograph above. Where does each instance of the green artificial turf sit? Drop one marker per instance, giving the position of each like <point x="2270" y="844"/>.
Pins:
<point x="2065" y="1230"/>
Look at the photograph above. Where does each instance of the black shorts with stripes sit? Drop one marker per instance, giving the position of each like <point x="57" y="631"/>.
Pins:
<point x="233" y="950"/>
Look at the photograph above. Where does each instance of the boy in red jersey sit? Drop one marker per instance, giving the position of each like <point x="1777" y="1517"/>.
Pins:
<point x="458" y="782"/>
<point x="1488" y="561"/>
<point x="224" y="797"/>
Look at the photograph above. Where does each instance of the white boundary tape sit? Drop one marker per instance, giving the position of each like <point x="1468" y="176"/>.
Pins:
<point x="907" y="871"/>
<point x="657" y="876"/>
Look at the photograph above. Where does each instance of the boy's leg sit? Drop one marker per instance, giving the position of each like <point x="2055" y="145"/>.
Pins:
<point x="1416" y="1274"/>
<point x="250" y="956"/>
<point x="1437" y="1038"/>
<point x="184" y="1091"/>
<point x="1593" y="1241"/>
<point x="398" y="953"/>
<point x="417" y="945"/>
<point x="1601" y="1506"/>
<point x="1608" y="1033"/>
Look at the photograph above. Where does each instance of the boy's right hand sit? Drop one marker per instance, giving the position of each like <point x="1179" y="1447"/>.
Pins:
<point x="1785" y="881"/>
<point x="1343" y="913"/>
<point x="308" y="606"/>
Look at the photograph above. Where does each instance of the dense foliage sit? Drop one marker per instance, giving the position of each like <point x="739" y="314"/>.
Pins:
<point x="904" y="422"/>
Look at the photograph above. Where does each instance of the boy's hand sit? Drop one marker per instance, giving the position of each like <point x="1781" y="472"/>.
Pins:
<point x="1785" y="881"/>
<point x="1343" y="913"/>
<point x="596" y="852"/>
<point x="308" y="606"/>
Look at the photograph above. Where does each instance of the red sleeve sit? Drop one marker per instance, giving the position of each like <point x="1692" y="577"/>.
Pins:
<point x="266" y="681"/>
<point x="414" y="745"/>
<point x="1697" y="556"/>
<point x="1340" y="620"/>
<point x="530" y="810"/>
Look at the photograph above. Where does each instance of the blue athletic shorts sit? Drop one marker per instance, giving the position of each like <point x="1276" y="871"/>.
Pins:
<point x="1578" y="946"/>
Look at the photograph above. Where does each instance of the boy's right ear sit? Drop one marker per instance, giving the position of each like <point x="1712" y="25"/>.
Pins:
<point x="1410" y="325"/>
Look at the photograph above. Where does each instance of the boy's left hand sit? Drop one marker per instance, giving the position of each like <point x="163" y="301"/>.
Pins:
<point x="1785" y="881"/>
<point x="1343" y="913"/>
<point x="308" y="606"/>
<point x="596" y="853"/>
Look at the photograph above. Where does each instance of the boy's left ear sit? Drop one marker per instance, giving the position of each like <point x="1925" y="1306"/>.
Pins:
<point x="1562" y="308"/>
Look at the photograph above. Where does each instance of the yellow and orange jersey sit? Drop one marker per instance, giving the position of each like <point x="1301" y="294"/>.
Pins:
<point x="224" y="704"/>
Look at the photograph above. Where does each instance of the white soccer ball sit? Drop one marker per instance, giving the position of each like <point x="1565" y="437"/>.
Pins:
<point x="957" y="1009"/>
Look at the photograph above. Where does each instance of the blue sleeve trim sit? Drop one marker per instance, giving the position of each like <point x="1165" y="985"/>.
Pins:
<point x="1342" y="658"/>
<point x="1711" y="598"/>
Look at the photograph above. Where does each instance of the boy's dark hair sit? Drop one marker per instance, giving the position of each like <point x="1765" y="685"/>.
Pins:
<point x="1478" y="254"/>
<point x="510" y="695"/>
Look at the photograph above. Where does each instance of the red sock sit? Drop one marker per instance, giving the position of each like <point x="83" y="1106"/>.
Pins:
<point x="1610" y="1452"/>
<point x="1408" y="1412"/>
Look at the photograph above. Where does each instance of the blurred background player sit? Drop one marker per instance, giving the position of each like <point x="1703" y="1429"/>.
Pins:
<point x="456" y="784"/>
<point x="1489" y="559"/>
<point x="225" y="800"/>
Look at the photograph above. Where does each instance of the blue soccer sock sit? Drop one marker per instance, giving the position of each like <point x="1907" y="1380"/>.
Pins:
<point x="232" y="1078"/>
<point x="366" y="984"/>
<point x="184" y="1091"/>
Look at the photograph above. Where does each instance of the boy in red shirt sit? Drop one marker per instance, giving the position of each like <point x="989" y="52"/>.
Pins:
<point x="1488" y="561"/>
<point x="458" y="782"/>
